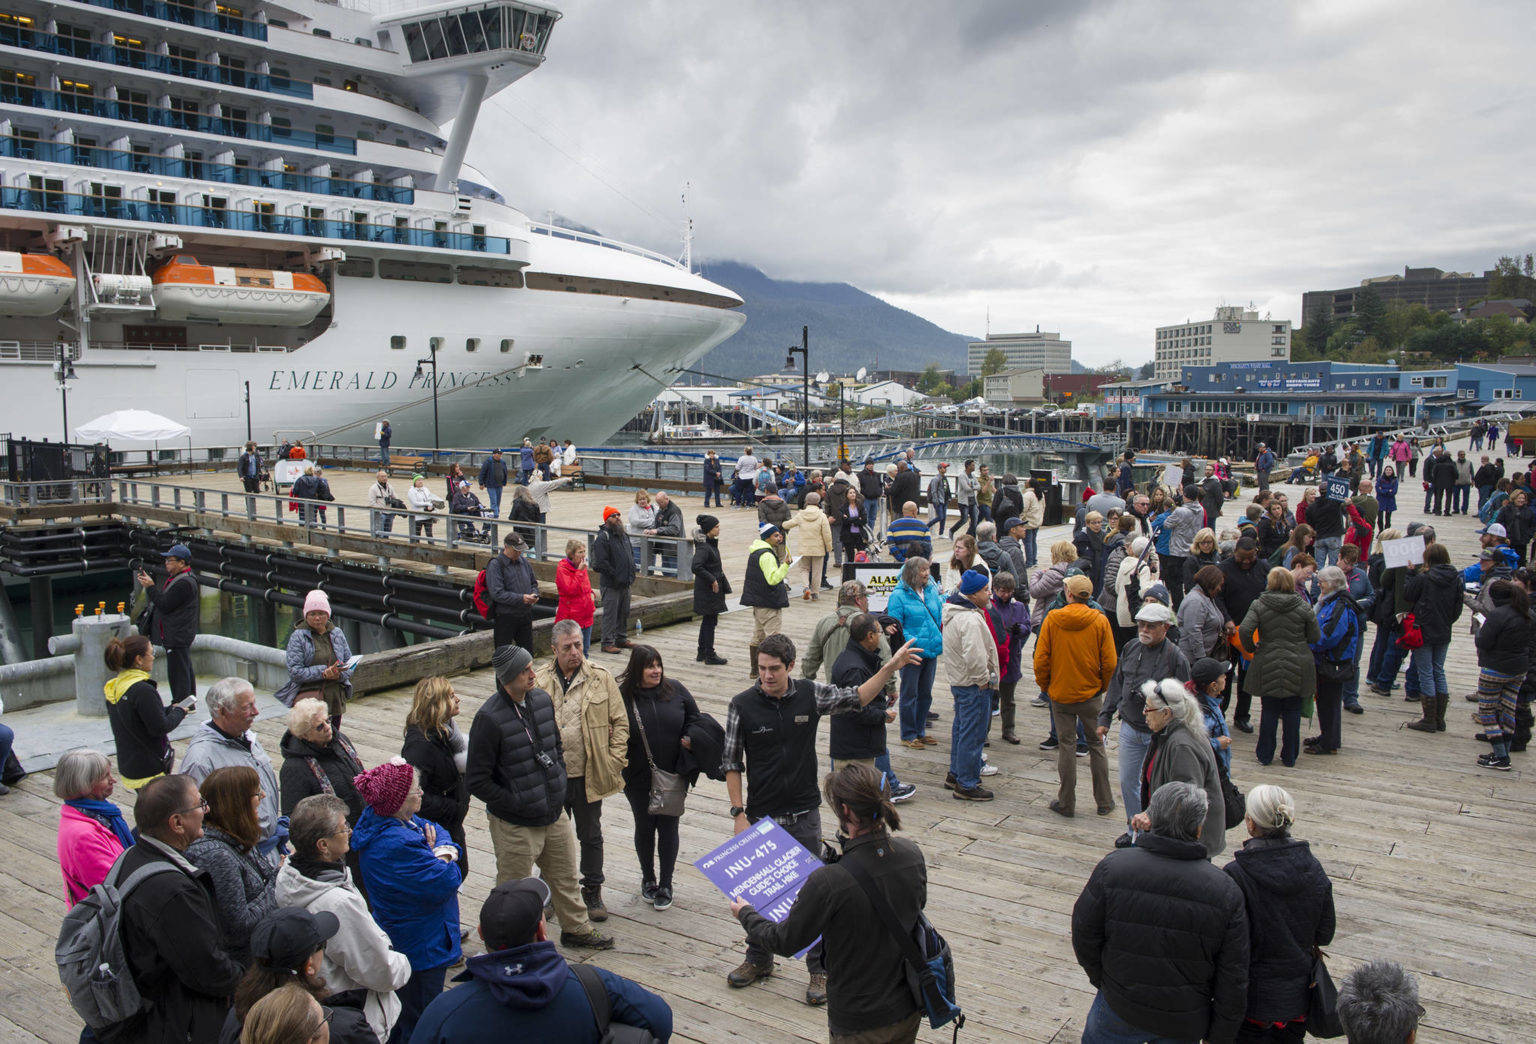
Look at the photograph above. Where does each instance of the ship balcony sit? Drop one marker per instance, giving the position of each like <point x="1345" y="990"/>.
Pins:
<point x="179" y="119"/>
<point x="149" y="61"/>
<point x="116" y="208"/>
<point x="219" y="17"/>
<point x="18" y="147"/>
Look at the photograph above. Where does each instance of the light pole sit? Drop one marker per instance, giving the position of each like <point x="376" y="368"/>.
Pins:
<point x="247" y="411"/>
<point x="64" y="370"/>
<point x="431" y="361"/>
<point x="804" y="351"/>
<point x="842" y="433"/>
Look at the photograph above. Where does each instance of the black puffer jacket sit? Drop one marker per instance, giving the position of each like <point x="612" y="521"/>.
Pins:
<point x="1162" y="933"/>
<point x="862" y="733"/>
<point x="1503" y="641"/>
<point x="1326" y="517"/>
<point x="707" y="569"/>
<point x="504" y="768"/>
<point x="613" y="557"/>
<point x="1290" y="910"/>
<point x="1435" y="594"/>
<point x="337" y="760"/>
<point x="665" y="717"/>
<point x="444" y="794"/>
<point x="176" y="603"/>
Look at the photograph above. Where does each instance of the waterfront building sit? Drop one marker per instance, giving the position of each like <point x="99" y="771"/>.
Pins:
<point x="884" y="393"/>
<point x="1041" y="350"/>
<point x="1434" y="288"/>
<point x="1014" y="388"/>
<point x="1232" y="334"/>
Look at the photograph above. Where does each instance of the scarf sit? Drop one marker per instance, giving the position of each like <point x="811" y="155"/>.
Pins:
<point x="315" y="870"/>
<point x="107" y="814"/>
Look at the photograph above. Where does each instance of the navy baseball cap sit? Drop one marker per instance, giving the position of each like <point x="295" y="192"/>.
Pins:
<point x="178" y="551"/>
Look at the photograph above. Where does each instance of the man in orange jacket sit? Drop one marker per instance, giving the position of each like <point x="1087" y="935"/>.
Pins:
<point x="1074" y="662"/>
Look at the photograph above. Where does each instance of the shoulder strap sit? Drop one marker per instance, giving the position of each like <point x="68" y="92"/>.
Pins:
<point x="138" y="877"/>
<point x="909" y="951"/>
<point x="597" y="995"/>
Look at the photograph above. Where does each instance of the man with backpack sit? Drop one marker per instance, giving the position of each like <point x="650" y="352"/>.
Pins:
<point x="165" y="925"/>
<point x="520" y="988"/>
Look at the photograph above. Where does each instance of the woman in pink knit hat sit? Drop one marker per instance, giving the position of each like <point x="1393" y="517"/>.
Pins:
<point x="410" y="867"/>
<point x="317" y="660"/>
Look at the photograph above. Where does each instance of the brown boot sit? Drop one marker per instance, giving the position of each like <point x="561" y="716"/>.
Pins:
<point x="1442" y="704"/>
<point x="593" y="898"/>
<point x="1427" y="722"/>
<point x="752" y="655"/>
<point x="747" y="973"/>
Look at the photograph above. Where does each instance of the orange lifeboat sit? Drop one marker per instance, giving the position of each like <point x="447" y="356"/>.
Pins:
<point x="33" y="284"/>
<point x="185" y="289"/>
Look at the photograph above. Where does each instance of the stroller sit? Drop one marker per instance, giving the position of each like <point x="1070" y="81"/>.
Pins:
<point x="466" y="503"/>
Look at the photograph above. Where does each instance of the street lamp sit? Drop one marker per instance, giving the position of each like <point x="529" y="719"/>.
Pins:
<point x="842" y="434"/>
<point x="247" y="411"/>
<point x="64" y="370"/>
<point x="804" y="351"/>
<point x="431" y="360"/>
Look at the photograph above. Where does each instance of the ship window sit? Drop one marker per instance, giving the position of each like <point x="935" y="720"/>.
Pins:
<point x="506" y="344"/>
<point x="471" y="276"/>
<point x="434" y="344"/>
<point x="228" y="11"/>
<point x="356" y="267"/>
<point x="415" y="271"/>
<point x="472" y="344"/>
<point x="323" y="32"/>
<point x="397" y="341"/>
<point x="20" y="21"/>
<point x="277" y="23"/>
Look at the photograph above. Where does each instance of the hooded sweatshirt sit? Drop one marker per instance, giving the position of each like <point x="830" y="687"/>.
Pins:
<point x="529" y="993"/>
<point x="141" y="726"/>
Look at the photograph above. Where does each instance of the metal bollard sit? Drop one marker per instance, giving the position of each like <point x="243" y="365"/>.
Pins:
<point x="91" y="673"/>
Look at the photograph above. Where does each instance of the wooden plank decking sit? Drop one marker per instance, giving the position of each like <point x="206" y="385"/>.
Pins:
<point x="1429" y="855"/>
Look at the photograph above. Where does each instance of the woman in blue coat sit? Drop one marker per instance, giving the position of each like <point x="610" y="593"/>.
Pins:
<point x="1386" y="495"/>
<point x="410" y="866"/>
<point x="917" y="603"/>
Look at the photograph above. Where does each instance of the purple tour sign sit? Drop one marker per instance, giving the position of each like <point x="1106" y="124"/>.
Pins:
<point x="763" y="865"/>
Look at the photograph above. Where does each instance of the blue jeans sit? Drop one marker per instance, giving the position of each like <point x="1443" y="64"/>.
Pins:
<point x="7" y="739"/>
<point x="1428" y="666"/>
<point x="1105" y="1027"/>
<point x="384" y="455"/>
<point x="1031" y="547"/>
<point x="917" y="697"/>
<point x="1133" y="752"/>
<point x="493" y="494"/>
<point x="586" y="639"/>
<point x="871" y="515"/>
<point x="1483" y="493"/>
<point x="973" y="713"/>
<point x="1326" y="551"/>
<point x="1462" y="498"/>
<point x="940" y="512"/>
<point x="883" y="763"/>
<point x="965" y="515"/>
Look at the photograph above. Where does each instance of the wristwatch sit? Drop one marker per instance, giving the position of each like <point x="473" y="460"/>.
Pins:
<point x="737" y="810"/>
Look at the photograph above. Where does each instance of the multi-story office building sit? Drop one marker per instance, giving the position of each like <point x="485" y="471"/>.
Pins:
<point x="1022" y="351"/>
<point x="1435" y="289"/>
<point x="1233" y="334"/>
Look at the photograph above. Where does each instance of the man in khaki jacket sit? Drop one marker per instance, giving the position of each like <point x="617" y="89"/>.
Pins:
<point x="594" y="730"/>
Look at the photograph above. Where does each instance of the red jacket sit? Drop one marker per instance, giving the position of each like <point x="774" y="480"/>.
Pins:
<point x="999" y="640"/>
<point x="575" y="589"/>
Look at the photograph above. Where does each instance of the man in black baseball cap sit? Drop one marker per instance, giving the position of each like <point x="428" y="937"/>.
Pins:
<point x="522" y="989"/>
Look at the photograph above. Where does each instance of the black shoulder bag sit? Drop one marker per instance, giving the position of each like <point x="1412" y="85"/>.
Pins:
<point x="608" y="1032"/>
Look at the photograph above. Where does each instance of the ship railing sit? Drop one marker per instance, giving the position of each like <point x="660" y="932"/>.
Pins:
<point x="150" y="61"/>
<point x="557" y="232"/>
<point x="654" y="556"/>
<point x="186" y="14"/>
<point x="15" y="146"/>
<point x="118" y="208"/>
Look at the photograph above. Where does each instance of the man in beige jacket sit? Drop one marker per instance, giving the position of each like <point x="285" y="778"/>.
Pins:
<point x="594" y="730"/>
<point x="971" y="667"/>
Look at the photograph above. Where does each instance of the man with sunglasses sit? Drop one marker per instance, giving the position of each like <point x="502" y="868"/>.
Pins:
<point x="171" y="940"/>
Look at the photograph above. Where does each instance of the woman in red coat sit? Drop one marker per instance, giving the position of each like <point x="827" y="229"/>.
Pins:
<point x="574" y="586"/>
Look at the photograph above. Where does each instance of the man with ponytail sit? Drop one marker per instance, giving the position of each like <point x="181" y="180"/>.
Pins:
<point x="141" y="723"/>
<point x="868" y="997"/>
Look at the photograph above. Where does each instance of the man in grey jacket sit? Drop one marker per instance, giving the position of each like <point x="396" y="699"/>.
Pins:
<point x="1185" y="521"/>
<point x="513" y="591"/>
<point x="226" y="741"/>
<point x="1150" y="657"/>
<point x="965" y="498"/>
<point x="938" y="497"/>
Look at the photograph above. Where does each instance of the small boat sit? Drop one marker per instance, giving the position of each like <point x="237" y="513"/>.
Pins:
<point x="685" y="433"/>
<point x="33" y="284"/>
<point x="185" y="289"/>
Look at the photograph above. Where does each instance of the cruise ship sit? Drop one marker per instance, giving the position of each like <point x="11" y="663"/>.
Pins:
<point x="261" y="216"/>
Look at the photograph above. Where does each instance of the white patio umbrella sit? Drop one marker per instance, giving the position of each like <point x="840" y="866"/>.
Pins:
<point x="133" y="426"/>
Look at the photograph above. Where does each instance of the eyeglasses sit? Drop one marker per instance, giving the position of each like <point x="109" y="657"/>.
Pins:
<point x="201" y="806"/>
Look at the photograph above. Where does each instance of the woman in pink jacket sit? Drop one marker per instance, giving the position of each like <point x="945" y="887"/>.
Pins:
<point x="92" y="830"/>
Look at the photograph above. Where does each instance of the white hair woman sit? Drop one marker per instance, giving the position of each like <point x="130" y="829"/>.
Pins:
<point x="317" y="759"/>
<point x="1290" y="913"/>
<point x="1180" y="752"/>
<point x="1336" y="653"/>
<point x="92" y="830"/>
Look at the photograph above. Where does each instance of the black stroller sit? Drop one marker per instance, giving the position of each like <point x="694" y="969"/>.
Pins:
<point x="466" y="503"/>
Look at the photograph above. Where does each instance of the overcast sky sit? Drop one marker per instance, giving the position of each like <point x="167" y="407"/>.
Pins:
<point x="1097" y="168"/>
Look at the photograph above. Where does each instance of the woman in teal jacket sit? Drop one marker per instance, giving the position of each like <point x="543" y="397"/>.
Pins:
<point x="410" y="866"/>
<point x="918" y="604"/>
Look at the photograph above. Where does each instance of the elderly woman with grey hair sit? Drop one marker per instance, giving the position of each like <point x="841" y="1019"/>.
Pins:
<point x="1340" y="622"/>
<point x="1180" y="752"/>
<point x="1289" y="900"/>
<point x="317" y="759"/>
<point x="92" y="830"/>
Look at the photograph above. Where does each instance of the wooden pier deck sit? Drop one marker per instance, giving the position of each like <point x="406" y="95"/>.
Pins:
<point x="1429" y="855"/>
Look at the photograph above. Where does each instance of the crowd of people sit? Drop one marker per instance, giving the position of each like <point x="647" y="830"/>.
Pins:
<point x="321" y="895"/>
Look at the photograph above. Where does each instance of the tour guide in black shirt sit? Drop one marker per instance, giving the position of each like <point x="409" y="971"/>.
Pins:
<point x="770" y="733"/>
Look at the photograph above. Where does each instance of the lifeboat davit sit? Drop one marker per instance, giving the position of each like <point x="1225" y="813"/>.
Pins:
<point x="33" y="284"/>
<point x="185" y="289"/>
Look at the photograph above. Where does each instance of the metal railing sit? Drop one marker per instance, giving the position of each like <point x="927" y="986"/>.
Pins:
<point x="655" y="556"/>
<point x="557" y="232"/>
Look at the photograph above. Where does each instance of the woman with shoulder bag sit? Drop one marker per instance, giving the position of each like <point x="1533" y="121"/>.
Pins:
<point x="660" y="711"/>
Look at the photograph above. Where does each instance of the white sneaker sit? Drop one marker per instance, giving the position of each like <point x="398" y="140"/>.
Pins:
<point x="988" y="770"/>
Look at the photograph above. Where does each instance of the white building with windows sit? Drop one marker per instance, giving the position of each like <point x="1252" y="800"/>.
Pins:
<point x="1041" y="350"/>
<point x="1232" y="334"/>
